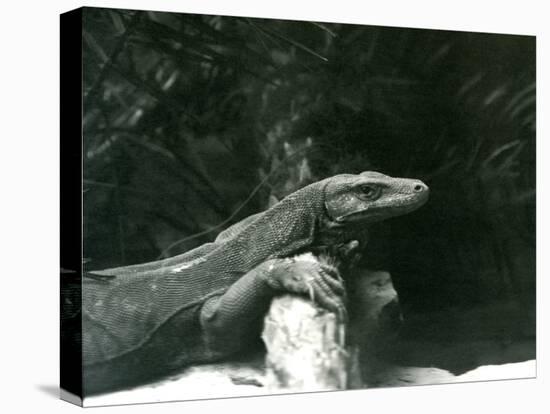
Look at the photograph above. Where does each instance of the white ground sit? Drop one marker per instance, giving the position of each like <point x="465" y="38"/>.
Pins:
<point x="215" y="381"/>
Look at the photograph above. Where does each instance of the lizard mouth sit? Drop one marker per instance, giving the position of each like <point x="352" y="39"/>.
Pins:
<point x="384" y="210"/>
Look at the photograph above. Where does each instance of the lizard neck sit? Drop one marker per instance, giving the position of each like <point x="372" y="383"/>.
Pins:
<point x="331" y="232"/>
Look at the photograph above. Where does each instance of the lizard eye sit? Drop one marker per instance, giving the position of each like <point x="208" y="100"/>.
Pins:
<point x="369" y="192"/>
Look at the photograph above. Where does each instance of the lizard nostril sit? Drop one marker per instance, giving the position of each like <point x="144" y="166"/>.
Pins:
<point x="418" y="187"/>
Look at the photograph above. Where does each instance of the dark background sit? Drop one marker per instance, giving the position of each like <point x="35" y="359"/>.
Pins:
<point x="191" y="122"/>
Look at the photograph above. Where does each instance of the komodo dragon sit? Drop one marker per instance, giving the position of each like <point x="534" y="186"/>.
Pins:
<point x="204" y="305"/>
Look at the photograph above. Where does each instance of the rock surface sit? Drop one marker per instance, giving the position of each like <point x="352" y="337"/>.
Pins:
<point x="305" y="347"/>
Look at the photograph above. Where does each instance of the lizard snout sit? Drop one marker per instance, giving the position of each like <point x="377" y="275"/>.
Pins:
<point x="419" y="192"/>
<point x="420" y="187"/>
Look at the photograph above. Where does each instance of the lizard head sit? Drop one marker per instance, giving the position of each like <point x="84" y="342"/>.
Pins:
<point x="371" y="197"/>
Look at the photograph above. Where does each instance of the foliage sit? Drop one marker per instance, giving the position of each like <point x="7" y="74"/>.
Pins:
<point x="191" y="122"/>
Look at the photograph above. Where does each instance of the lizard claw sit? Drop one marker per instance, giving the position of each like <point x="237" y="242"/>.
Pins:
<point x="313" y="277"/>
<point x="311" y="291"/>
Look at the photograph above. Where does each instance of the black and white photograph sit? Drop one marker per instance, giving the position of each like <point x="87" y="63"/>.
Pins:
<point x="239" y="206"/>
<point x="276" y="206"/>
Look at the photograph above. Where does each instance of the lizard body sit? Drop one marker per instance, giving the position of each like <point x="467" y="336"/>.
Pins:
<point x="208" y="303"/>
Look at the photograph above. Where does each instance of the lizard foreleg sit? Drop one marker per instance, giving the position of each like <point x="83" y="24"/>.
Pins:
<point x="235" y="318"/>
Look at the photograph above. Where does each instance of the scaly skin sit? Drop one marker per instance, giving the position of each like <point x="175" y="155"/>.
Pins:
<point x="208" y="303"/>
